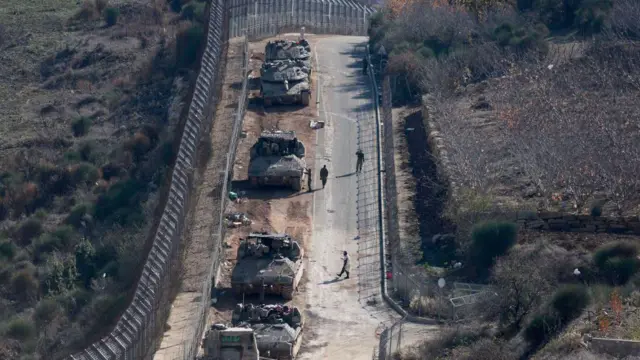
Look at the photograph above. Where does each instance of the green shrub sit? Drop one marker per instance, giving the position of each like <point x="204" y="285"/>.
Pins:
<point x="20" y="329"/>
<point x="121" y="203"/>
<point x="617" y="262"/>
<point x="46" y="310"/>
<point x="86" y="262"/>
<point x="80" y="126"/>
<point x="176" y="5"/>
<point x="85" y="173"/>
<point x="111" y="16"/>
<point x="61" y="274"/>
<point x="194" y="11"/>
<point x="53" y="180"/>
<point x="591" y="15"/>
<point x="490" y="240"/>
<point x="188" y="45"/>
<point x="569" y="302"/>
<point x="64" y="238"/>
<point x="28" y="230"/>
<point x="77" y="215"/>
<point x="74" y="301"/>
<point x="541" y="329"/>
<point x="24" y="284"/>
<point x="7" y="249"/>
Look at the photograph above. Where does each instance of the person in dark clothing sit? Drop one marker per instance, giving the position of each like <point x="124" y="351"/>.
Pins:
<point x="292" y="146"/>
<point x="324" y="174"/>
<point x="359" y="161"/>
<point x="346" y="264"/>
<point x="365" y="65"/>
<point x="309" y="178"/>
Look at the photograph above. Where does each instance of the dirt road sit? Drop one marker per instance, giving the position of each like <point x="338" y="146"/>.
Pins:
<point x="344" y="315"/>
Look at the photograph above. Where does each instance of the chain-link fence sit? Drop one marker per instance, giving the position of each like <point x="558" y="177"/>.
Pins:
<point x="136" y="332"/>
<point x="265" y="18"/>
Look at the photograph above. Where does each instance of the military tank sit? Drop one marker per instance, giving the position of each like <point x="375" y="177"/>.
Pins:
<point x="267" y="264"/>
<point x="279" y="50"/>
<point x="277" y="328"/>
<point x="285" y="82"/>
<point x="277" y="159"/>
<point x="268" y="314"/>
<point x="230" y="343"/>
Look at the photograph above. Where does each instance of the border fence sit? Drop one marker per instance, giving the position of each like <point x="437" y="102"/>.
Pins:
<point x="264" y="18"/>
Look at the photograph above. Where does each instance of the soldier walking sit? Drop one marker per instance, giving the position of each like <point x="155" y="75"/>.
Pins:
<point x="346" y="264"/>
<point x="324" y="174"/>
<point x="359" y="161"/>
<point x="309" y="178"/>
<point x="365" y="65"/>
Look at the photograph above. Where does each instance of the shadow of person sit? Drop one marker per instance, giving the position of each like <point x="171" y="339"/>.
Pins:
<point x="327" y="282"/>
<point x="345" y="175"/>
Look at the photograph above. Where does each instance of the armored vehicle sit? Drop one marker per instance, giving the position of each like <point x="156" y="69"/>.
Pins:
<point x="277" y="158"/>
<point x="267" y="264"/>
<point x="288" y="50"/>
<point x="277" y="328"/>
<point x="269" y="314"/>
<point x="230" y="343"/>
<point x="285" y="82"/>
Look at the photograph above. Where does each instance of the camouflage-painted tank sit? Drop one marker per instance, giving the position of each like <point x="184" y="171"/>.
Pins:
<point x="277" y="158"/>
<point x="277" y="328"/>
<point x="288" y="50"/>
<point x="267" y="264"/>
<point x="230" y="343"/>
<point x="285" y="82"/>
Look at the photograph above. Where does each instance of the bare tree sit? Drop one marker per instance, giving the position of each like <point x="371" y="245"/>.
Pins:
<point x="521" y="284"/>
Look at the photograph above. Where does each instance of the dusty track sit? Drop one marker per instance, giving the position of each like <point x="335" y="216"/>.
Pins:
<point x="203" y="217"/>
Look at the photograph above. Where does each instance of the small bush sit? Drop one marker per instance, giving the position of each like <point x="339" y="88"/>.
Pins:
<point x="111" y="16"/>
<point x="617" y="262"/>
<point x="569" y="302"/>
<point x="77" y="215"/>
<point x="46" y="310"/>
<point x="61" y="274"/>
<point x="541" y="329"/>
<point x="86" y="262"/>
<point x="176" y="5"/>
<point x="121" y="202"/>
<point x="29" y="230"/>
<point x="85" y="173"/>
<point x="490" y="240"/>
<point x="20" y="329"/>
<point x="188" y="46"/>
<point x="430" y="307"/>
<point x="80" y="126"/>
<point x="7" y="249"/>
<point x="24" y="285"/>
<point x="194" y="11"/>
<point x="64" y="238"/>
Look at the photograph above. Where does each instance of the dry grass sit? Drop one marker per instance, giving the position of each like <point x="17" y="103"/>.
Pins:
<point x="60" y="64"/>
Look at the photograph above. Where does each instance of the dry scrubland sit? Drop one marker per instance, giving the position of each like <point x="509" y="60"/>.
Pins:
<point x="91" y="95"/>
<point x="536" y="102"/>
